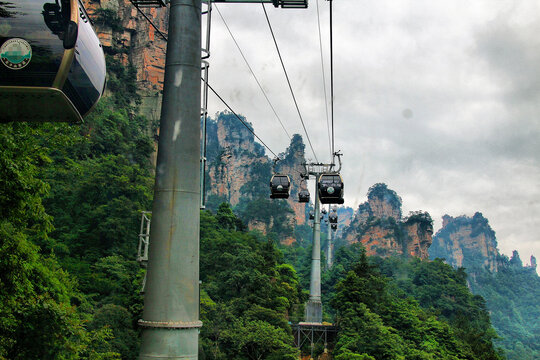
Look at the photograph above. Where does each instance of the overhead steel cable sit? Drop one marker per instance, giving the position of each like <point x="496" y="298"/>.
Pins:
<point x="324" y="79"/>
<point x="149" y="21"/>
<point x="332" y="77"/>
<point x="289" y="82"/>
<point x="239" y="118"/>
<point x="252" y="72"/>
<point x="215" y="93"/>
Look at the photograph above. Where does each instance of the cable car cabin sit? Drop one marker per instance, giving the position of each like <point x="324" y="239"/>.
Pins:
<point x="280" y="185"/>
<point x="53" y="66"/>
<point x="303" y="196"/>
<point x="330" y="189"/>
<point x="332" y="218"/>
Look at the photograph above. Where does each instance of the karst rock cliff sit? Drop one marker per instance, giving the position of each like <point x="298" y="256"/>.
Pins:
<point x="379" y="226"/>
<point x="239" y="172"/>
<point x="128" y="38"/>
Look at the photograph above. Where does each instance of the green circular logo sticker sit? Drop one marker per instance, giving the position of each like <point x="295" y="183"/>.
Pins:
<point x="15" y="53"/>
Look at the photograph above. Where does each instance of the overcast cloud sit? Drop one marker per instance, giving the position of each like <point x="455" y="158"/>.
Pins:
<point x="438" y="99"/>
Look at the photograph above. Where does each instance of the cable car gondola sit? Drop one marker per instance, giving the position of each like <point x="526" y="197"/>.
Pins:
<point x="333" y="218"/>
<point x="280" y="186"/>
<point x="330" y="187"/>
<point x="303" y="196"/>
<point x="53" y="66"/>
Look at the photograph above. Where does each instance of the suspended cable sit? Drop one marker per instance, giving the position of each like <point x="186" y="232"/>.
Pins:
<point x="324" y="79"/>
<point x="239" y="118"/>
<point x="289" y="82"/>
<point x="252" y="73"/>
<point x="149" y="21"/>
<point x="332" y="77"/>
<point x="214" y="91"/>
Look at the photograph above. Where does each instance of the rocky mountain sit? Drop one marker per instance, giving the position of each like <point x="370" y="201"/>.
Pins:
<point x="128" y="38"/>
<point x="510" y="288"/>
<point x="468" y="242"/>
<point x="239" y="172"/>
<point x="379" y="226"/>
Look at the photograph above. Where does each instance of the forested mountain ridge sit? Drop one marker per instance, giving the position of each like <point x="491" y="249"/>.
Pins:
<point x="70" y="202"/>
<point x="397" y="308"/>
<point x="70" y="286"/>
<point x="74" y="194"/>
<point x="510" y="288"/>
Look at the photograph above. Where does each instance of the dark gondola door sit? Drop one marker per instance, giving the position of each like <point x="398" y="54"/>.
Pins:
<point x="303" y="196"/>
<point x="330" y="187"/>
<point x="280" y="186"/>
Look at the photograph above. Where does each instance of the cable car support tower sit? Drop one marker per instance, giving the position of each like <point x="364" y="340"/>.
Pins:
<point x="313" y="309"/>
<point x="170" y="318"/>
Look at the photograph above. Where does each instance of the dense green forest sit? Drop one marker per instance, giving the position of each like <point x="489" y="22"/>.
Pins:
<point x="512" y="295"/>
<point x="70" y="202"/>
<point x="398" y="308"/>
<point x="511" y="291"/>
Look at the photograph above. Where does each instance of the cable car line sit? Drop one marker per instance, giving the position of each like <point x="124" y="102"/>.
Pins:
<point x="252" y="73"/>
<point x="323" y="77"/>
<point x="214" y="91"/>
<point x="332" y="75"/>
<point x="289" y="82"/>
<point x="150" y="21"/>
<point x="242" y="121"/>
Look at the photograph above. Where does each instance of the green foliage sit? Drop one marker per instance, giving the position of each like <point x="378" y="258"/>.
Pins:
<point x="108" y="17"/>
<point x="34" y="295"/>
<point x="248" y="293"/>
<point x="38" y="314"/>
<point x="119" y="320"/>
<point x="443" y="291"/>
<point x="270" y="212"/>
<point x="394" y="309"/>
<point x="512" y="296"/>
<point x="122" y="83"/>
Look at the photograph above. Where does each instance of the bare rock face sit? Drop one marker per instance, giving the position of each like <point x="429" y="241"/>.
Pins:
<point x="380" y="228"/>
<point x="383" y="202"/>
<point x="466" y="242"/>
<point x="128" y="37"/>
<point x="236" y="163"/>
<point x="420" y="234"/>
<point x="239" y="172"/>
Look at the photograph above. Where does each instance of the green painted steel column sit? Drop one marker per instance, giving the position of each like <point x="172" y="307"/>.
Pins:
<point x="171" y="304"/>
<point x="329" y="241"/>
<point x="313" y="310"/>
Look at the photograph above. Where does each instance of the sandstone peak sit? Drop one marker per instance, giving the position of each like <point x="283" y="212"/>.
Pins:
<point x="384" y="202"/>
<point x="468" y="242"/>
<point x="238" y="172"/>
<point x="380" y="228"/>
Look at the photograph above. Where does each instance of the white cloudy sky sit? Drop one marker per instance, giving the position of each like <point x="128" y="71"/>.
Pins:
<point x="438" y="99"/>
